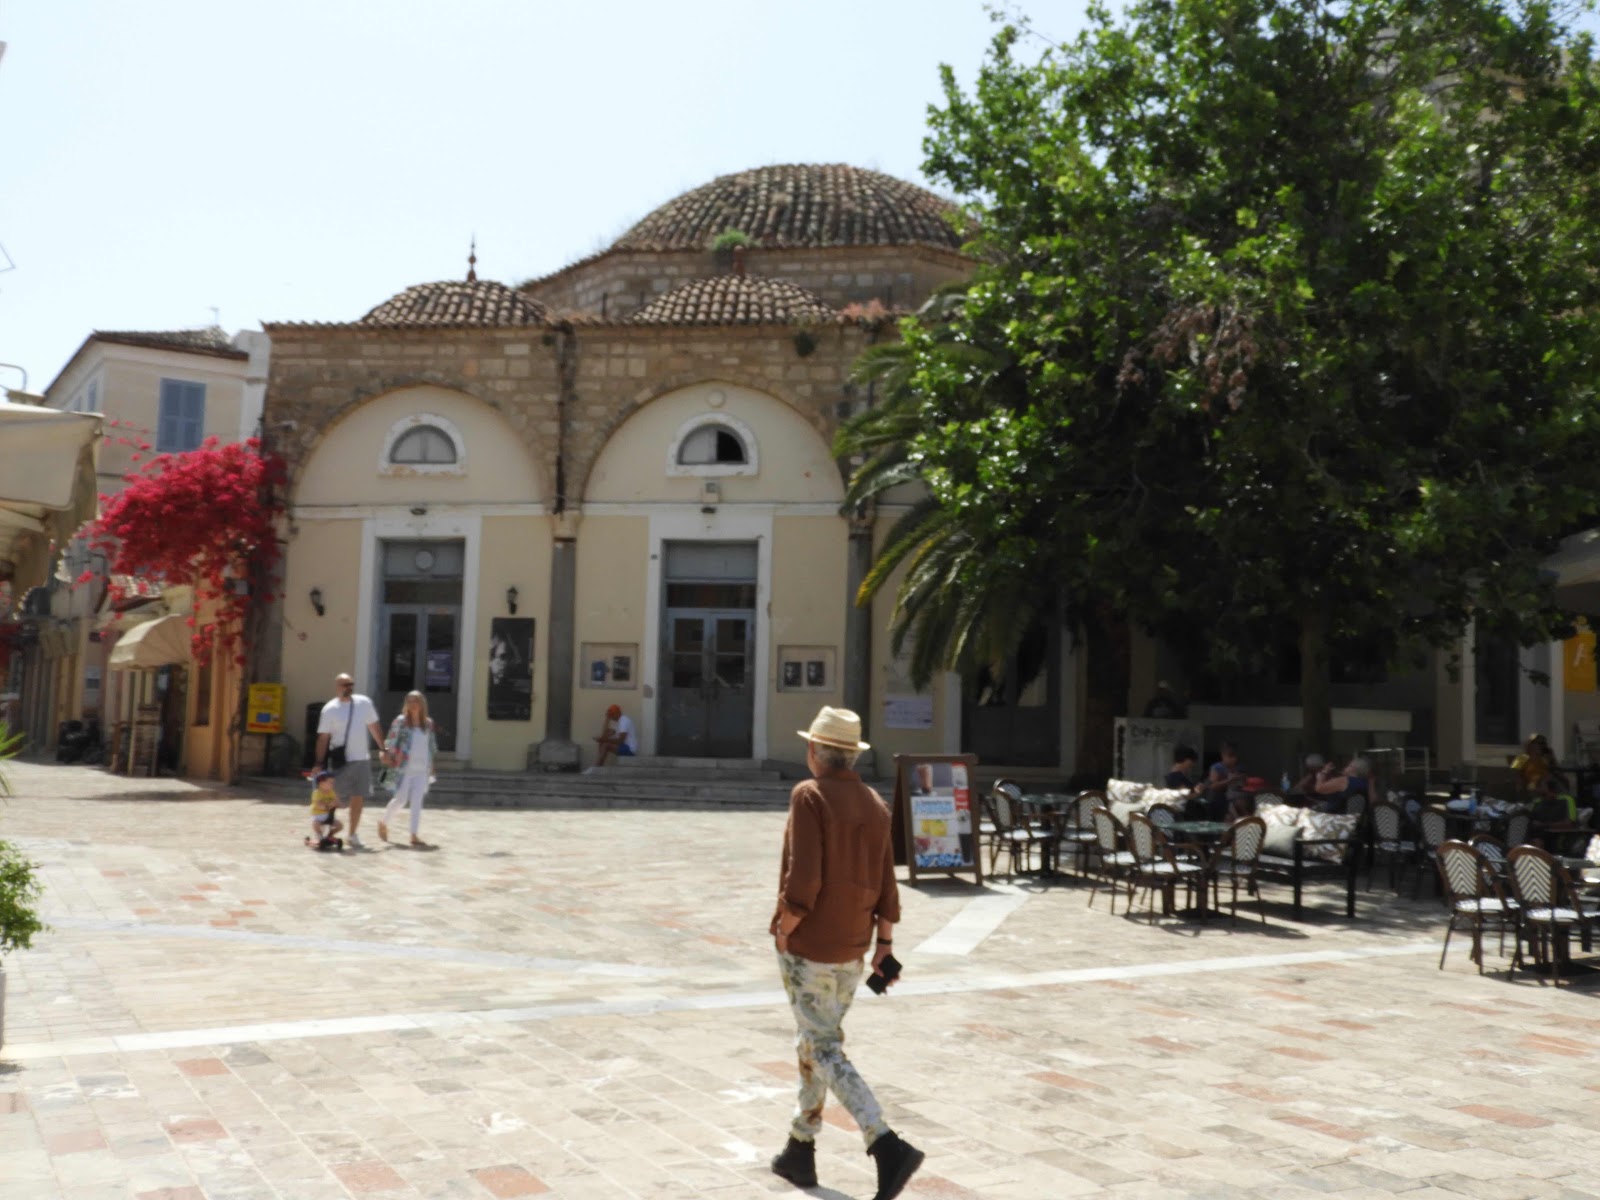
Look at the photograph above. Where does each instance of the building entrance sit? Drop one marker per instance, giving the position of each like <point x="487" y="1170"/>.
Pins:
<point x="707" y="686"/>
<point x="420" y="631"/>
<point x="1013" y="716"/>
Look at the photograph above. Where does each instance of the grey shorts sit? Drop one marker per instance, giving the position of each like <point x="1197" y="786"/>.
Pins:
<point x="353" y="779"/>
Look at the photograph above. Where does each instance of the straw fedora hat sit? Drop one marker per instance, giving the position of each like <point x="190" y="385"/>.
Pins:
<point x="835" y="727"/>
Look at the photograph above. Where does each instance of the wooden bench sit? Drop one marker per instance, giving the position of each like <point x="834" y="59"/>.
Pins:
<point x="1305" y="865"/>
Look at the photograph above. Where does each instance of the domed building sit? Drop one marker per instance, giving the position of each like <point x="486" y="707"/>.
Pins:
<point x="613" y="484"/>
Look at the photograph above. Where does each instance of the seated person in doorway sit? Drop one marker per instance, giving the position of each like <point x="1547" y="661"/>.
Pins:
<point x="1536" y="762"/>
<point x="617" y="737"/>
<point x="1224" y="778"/>
<point x="1184" y="760"/>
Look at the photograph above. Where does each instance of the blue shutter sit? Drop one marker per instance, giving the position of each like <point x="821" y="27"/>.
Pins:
<point x="182" y="423"/>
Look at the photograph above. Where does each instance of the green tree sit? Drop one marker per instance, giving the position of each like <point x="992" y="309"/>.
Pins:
<point x="1285" y="329"/>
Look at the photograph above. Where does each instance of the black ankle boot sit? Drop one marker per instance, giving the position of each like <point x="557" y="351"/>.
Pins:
<point x="897" y="1161"/>
<point x="798" y="1163"/>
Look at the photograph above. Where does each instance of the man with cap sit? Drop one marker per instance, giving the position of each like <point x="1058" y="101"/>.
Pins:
<point x="837" y="900"/>
<point x="345" y="724"/>
<point x="617" y="737"/>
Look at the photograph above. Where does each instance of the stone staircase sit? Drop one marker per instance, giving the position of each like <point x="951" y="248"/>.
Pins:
<point x="665" y="783"/>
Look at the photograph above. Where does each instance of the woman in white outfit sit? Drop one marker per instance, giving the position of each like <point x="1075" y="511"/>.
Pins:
<point x="411" y="748"/>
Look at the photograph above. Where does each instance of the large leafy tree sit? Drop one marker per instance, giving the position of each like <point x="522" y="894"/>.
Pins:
<point x="1286" y="331"/>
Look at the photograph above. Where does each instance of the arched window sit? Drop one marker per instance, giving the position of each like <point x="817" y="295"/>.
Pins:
<point x="425" y="445"/>
<point x="712" y="445"/>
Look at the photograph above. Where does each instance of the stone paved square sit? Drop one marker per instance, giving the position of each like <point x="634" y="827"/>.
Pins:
<point x="585" y="1004"/>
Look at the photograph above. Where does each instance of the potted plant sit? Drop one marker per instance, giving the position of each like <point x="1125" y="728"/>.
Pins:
<point x="19" y="887"/>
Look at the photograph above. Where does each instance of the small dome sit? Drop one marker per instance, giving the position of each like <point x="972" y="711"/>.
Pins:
<point x="735" y="300"/>
<point x="797" y="206"/>
<point x="454" y="302"/>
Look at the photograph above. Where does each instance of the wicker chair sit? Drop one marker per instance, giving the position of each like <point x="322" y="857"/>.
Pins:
<point x="1435" y="830"/>
<point x="1115" y="861"/>
<point x="1156" y="868"/>
<point x="1013" y="832"/>
<point x="1473" y="897"/>
<point x="1236" y="859"/>
<point x="1551" y="906"/>
<point x="1517" y="826"/>
<point x="1493" y="853"/>
<point x="1388" y="838"/>
<point x="1076" y="830"/>
<point x="1164" y="817"/>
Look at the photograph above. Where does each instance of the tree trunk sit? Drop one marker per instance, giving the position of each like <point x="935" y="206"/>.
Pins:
<point x="1108" y="667"/>
<point x="1316" y="713"/>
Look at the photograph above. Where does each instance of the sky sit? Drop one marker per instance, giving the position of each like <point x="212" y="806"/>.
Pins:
<point x="169" y="164"/>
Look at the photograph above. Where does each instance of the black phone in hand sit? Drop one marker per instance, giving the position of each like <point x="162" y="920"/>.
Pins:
<point x="888" y="971"/>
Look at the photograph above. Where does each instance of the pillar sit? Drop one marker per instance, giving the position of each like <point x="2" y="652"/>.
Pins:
<point x="558" y="752"/>
<point x="857" y="673"/>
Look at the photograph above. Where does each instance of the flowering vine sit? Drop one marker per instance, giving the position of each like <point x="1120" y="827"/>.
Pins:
<point x="205" y="517"/>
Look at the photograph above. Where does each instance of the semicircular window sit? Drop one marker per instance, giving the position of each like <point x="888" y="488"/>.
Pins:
<point x="426" y="445"/>
<point x="712" y="445"/>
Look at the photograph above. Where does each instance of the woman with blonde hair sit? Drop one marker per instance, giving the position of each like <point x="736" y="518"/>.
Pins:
<point x="412" y="749"/>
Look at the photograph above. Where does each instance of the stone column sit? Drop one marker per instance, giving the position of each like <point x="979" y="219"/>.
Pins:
<point x="857" y="669"/>
<point x="558" y="752"/>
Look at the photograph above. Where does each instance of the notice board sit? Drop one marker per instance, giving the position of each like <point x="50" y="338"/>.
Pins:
<point x="936" y="814"/>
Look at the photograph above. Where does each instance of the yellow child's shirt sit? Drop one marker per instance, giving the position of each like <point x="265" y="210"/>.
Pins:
<point x="323" y="802"/>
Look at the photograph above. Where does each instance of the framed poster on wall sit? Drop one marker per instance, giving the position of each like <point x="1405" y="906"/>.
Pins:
<point x="609" y="665"/>
<point x="510" y="668"/>
<point x="806" y="669"/>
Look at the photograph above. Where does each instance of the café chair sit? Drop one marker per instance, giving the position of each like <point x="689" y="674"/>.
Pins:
<point x="1236" y="859"/>
<point x="1493" y="853"/>
<point x="1076" y="830"/>
<point x="1473" y="897"/>
<point x="1115" y="861"/>
<point x="1551" y="907"/>
<point x="1156" y="868"/>
<point x="1013" y="832"/>
<point x="1517" y="827"/>
<point x="1435" y="830"/>
<point x="1388" y="838"/>
<point x="1164" y="817"/>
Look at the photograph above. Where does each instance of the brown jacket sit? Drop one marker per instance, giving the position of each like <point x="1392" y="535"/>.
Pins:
<point x="838" y="868"/>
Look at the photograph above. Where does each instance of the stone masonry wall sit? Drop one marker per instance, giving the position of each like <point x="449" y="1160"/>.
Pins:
<point x="620" y="283"/>
<point x="320" y="374"/>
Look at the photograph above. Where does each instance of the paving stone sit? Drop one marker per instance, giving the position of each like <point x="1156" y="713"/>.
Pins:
<point x="520" y="1011"/>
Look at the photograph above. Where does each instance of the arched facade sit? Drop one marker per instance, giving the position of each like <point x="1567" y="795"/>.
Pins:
<point x="641" y="447"/>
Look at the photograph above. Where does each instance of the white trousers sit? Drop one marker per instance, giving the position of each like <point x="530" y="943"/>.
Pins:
<point x="410" y="791"/>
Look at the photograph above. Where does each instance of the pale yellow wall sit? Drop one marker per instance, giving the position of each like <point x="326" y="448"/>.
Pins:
<point x="792" y="458"/>
<point x="889" y="742"/>
<point x="515" y="552"/>
<point x="809" y="585"/>
<point x="130" y="393"/>
<point x="612" y="606"/>
<point x="326" y="555"/>
<point x="344" y="469"/>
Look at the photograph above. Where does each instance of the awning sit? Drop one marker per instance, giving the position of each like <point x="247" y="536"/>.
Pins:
<point x="158" y="643"/>
<point x="47" y="486"/>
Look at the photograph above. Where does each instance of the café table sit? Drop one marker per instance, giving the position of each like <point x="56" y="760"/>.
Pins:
<point x="1048" y="810"/>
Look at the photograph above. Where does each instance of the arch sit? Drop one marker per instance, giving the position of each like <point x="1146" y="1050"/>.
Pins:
<point x="629" y="467"/>
<point x="408" y="430"/>
<point x="348" y="464"/>
<point x="749" y="462"/>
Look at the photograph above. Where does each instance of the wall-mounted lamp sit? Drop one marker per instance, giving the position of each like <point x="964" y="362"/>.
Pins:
<point x="316" y="601"/>
<point x="511" y="600"/>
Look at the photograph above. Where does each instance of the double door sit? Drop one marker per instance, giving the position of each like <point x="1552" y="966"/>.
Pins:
<point x="421" y="652"/>
<point x="707" y="697"/>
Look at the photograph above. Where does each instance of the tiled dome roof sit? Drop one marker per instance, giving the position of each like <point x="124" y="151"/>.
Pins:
<point x="457" y="302"/>
<point x="735" y="300"/>
<point x="798" y="205"/>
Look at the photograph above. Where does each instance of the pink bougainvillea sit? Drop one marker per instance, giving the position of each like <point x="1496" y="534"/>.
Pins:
<point x="206" y="518"/>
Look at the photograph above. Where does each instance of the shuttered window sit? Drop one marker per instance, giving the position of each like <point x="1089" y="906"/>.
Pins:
<point x="183" y="416"/>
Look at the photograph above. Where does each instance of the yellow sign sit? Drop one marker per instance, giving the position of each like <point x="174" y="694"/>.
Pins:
<point x="1578" y="655"/>
<point x="265" y="711"/>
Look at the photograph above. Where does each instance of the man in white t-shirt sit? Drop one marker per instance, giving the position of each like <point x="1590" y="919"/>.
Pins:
<point x="345" y="724"/>
<point x="617" y="738"/>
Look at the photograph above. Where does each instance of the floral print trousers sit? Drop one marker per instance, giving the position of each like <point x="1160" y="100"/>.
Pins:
<point x="819" y="996"/>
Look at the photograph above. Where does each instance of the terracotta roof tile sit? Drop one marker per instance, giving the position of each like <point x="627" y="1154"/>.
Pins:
<point x="735" y="300"/>
<point x="212" y="341"/>
<point x="799" y="205"/>
<point x="458" y="302"/>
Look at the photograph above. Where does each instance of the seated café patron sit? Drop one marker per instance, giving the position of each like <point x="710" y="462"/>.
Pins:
<point x="1181" y="777"/>
<point x="1335" y="786"/>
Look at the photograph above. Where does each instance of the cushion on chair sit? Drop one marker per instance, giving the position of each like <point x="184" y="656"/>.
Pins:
<point x="1280" y="840"/>
<point x="1328" y="825"/>
<point x="1124" y="791"/>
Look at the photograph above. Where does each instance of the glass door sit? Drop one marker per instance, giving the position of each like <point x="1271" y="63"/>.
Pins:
<point x="708" y="705"/>
<point x="421" y="652"/>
